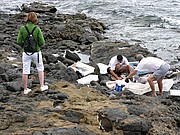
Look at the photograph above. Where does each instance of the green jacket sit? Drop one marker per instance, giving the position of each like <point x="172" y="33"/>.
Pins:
<point x="37" y="35"/>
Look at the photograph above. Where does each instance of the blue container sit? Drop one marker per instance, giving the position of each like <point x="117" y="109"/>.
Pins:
<point x="118" y="88"/>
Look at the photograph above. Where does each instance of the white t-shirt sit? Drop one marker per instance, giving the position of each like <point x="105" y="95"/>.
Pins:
<point x="114" y="61"/>
<point x="149" y="64"/>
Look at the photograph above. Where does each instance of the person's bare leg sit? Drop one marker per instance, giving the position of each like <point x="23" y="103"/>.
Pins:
<point x="124" y="69"/>
<point x="41" y="78"/>
<point x="117" y="68"/>
<point x="115" y="74"/>
<point x="160" y="86"/>
<point x="151" y="83"/>
<point x="113" y="78"/>
<point x="25" y="80"/>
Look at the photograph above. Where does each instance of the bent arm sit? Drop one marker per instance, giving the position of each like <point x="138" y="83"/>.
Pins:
<point x="132" y="73"/>
<point x="20" y="39"/>
<point x="113" y="74"/>
<point x="130" y="68"/>
<point x="41" y="40"/>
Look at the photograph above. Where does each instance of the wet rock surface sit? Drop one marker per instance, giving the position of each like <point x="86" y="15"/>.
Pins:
<point x="68" y="107"/>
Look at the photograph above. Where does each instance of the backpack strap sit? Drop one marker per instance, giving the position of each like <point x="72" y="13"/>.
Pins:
<point x="31" y="31"/>
<point x="27" y="30"/>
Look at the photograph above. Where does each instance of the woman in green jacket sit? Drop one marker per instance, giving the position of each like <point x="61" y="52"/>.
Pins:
<point x="27" y="57"/>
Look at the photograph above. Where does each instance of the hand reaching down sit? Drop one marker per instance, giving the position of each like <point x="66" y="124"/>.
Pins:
<point x="127" y="80"/>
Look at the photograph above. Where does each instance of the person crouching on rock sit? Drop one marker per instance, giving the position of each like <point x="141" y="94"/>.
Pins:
<point x="158" y="67"/>
<point x="28" y="56"/>
<point x="118" y="65"/>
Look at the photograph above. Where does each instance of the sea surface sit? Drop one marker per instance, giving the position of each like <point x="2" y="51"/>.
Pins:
<point x="155" y="24"/>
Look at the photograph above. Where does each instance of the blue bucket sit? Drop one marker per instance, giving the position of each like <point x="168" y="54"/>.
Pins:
<point x="119" y="88"/>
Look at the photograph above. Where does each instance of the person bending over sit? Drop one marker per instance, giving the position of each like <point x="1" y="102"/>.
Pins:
<point x="158" y="67"/>
<point x="118" y="65"/>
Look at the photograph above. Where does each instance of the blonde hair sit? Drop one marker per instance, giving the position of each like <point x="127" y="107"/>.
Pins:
<point x="32" y="17"/>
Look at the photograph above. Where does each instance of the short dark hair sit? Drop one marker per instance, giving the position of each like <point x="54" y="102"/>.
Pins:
<point x="119" y="57"/>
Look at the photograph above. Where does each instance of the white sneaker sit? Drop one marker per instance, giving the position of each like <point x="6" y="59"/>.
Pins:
<point x="44" y="87"/>
<point x="27" y="91"/>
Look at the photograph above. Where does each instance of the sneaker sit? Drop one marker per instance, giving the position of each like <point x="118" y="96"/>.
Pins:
<point x="27" y="91"/>
<point x="44" y="87"/>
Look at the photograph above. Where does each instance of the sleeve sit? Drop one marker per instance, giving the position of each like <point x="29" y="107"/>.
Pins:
<point x="40" y="38"/>
<point x="126" y="61"/>
<point x="112" y="64"/>
<point x="20" y="37"/>
<point x="139" y="66"/>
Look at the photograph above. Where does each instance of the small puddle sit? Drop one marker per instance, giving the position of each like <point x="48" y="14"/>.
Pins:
<point x="84" y="57"/>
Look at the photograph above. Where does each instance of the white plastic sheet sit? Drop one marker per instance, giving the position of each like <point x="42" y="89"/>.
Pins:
<point x="103" y="68"/>
<point x="87" y="79"/>
<point x="175" y="92"/>
<point x="84" y="69"/>
<point x="139" y="88"/>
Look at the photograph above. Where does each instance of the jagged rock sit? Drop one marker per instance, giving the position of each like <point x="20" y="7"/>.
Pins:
<point x="135" y="125"/>
<point x="50" y="58"/>
<point x="73" y="116"/>
<point x="38" y="7"/>
<point x="102" y="51"/>
<point x="72" y="56"/>
<point x="13" y="86"/>
<point x="79" y="130"/>
<point x="60" y="66"/>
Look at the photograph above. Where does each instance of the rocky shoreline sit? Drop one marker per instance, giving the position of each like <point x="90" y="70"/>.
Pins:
<point x="68" y="107"/>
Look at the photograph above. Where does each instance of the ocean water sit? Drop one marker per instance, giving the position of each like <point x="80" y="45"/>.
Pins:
<point x="155" y="24"/>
